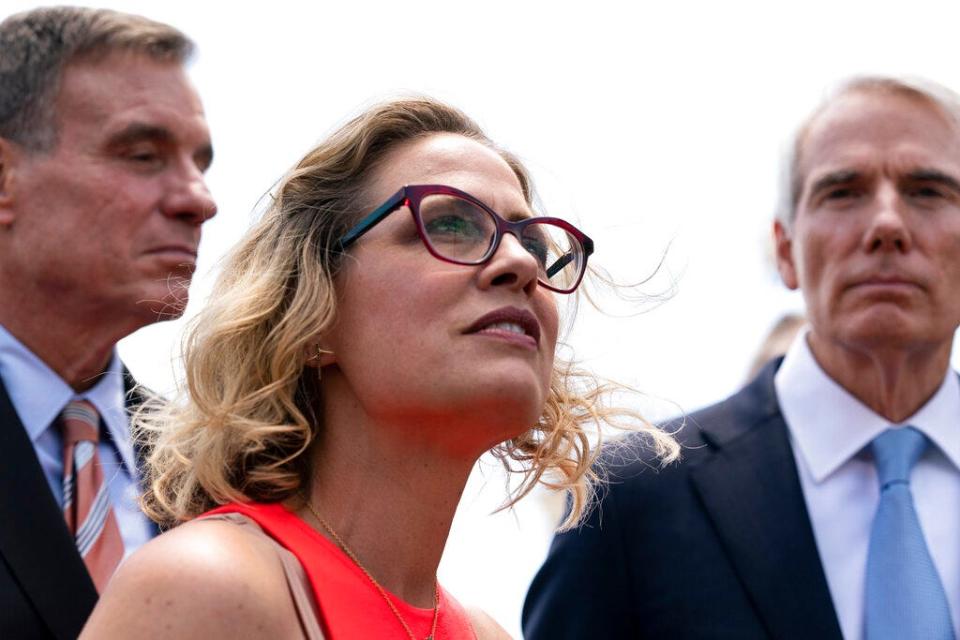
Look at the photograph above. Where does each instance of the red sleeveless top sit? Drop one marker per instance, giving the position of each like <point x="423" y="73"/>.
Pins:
<point x="350" y="606"/>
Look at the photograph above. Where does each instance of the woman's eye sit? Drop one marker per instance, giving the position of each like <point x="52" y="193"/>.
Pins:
<point x="453" y="226"/>
<point x="538" y="249"/>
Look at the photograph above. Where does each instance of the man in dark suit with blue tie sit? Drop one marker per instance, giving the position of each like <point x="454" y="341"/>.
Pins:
<point x="821" y="501"/>
<point x="103" y="149"/>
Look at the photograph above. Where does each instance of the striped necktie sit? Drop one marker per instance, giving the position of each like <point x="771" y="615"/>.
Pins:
<point x="905" y="597"/>
<point x="86" y="497"/>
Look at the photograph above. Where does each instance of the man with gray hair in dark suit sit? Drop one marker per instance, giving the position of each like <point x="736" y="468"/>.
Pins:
<point x="823" y="499"/>
<point x="103" y="149"/>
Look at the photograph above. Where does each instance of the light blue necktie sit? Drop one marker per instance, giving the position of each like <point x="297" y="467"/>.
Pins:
<point x="905" y="598"/>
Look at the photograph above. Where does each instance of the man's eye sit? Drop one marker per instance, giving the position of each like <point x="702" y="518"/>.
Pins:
<point x="925" y="192"/>
<point x="142" y="155"/>
<point x="842" y="193"/>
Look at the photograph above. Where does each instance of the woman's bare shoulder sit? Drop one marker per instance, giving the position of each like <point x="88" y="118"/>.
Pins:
<point x="203" y="579"/>
<point x="485" y="627"/>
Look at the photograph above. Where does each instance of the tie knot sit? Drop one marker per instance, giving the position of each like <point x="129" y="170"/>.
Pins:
<point x="80" y="421"/>
<point x="896" y="451"/>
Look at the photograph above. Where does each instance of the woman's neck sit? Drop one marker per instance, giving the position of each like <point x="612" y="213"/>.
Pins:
<point x="390" y="499"/>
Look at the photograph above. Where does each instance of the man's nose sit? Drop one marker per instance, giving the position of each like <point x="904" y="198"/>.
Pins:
<point x="189" y="198"/>
<point x="888" y="228"/>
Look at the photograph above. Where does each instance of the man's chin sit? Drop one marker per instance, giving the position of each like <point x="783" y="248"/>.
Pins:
<point x="892" y="331"/>
<point x="169" y="304"/>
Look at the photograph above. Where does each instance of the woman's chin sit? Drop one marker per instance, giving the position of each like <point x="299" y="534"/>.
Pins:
<point x="503" y="416"/>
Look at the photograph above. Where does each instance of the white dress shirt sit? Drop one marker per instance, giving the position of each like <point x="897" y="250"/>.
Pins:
<point x="39" y="395"/>
<point x="831" y="432"/>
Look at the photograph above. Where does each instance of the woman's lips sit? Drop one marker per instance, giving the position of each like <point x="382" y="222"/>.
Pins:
<point x="511" y="324"/>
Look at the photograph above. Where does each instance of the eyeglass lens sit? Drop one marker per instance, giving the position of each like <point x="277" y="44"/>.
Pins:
<point x="461" y="231"/>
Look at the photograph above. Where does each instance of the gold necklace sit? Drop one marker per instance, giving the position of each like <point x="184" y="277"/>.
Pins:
<point x="380" y="589"/>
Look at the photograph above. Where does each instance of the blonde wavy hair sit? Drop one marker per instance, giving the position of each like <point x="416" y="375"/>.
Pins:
<point x="247" y="415"/>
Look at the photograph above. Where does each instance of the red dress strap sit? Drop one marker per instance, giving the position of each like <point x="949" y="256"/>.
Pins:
<point x="351" y="607"/>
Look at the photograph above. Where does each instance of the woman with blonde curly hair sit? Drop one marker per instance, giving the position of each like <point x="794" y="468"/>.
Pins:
<point x="393" y="316"/>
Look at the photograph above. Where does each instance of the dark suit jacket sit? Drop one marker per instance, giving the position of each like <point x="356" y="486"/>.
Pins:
<point x="45" y="591"/>
<point x="718" y="546"/>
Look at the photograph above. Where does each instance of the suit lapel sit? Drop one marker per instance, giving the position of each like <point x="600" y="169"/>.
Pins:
<point x="34" y="541"/>
<point x="134" y="396"/>
<point x="750" y="489"/>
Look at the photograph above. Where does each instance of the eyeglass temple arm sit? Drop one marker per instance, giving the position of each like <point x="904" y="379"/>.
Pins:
<point x="561" y="262"/>
<point x="568" y="257"/>
<point x="369" y="221"/>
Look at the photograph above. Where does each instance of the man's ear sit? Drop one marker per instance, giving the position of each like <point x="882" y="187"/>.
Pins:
<point x="783" y="242"/>
<point x="7" y="156"/>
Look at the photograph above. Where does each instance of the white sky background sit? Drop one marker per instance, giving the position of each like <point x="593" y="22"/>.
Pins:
<point x="652" y="125"/>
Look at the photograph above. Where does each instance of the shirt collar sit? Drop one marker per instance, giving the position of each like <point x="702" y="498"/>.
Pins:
<point x="829" y="425"/>
<point x="38" y="394"/>
<point x="938" y="419"/>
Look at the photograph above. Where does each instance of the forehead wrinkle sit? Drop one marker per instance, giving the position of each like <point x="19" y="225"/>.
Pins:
<point x="138" y="130"/>
<point x="836" y="115"/>
<point x="148" y="114"/>
<point x="868" y="161"/>
<point x="85" y="100"/>
<point x="896" y="168"/>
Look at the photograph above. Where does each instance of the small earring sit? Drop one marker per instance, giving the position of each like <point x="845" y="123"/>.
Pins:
<point x="318" y="357"/>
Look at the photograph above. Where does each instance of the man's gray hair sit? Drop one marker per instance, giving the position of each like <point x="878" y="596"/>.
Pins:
<point x="791" y="180"/>
<point x="36" y="46"/>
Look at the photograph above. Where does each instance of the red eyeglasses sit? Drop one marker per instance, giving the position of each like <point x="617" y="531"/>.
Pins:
<point x="456" y="227"/>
